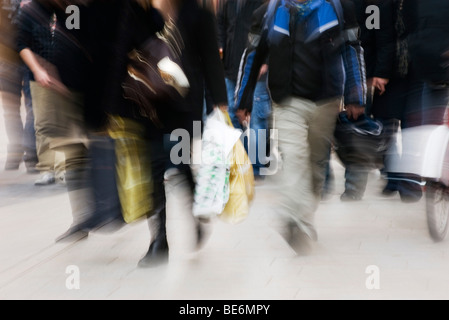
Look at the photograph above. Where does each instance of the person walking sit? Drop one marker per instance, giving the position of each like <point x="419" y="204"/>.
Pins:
<point x="202" y="66"/>
<point x="418" y="91"/>
<point x="379" y="52"/>
<point x="303" y="42"/>
<point x="56" y="56"/>
<point x="235" y="18"/>
<point x="14" y="84"/>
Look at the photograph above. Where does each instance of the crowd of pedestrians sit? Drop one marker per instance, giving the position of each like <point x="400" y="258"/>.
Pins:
<point x="316" y="71"/>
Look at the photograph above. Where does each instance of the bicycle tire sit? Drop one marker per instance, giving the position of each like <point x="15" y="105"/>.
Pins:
<point x="437" y="210"/>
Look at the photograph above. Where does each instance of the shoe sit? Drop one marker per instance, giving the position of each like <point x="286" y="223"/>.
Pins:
<point x="74" y="233"/>
<point x="46" y="179"/>
<point x="298" y="240"/>
<point x="410" y="192"/>
<point x="157" y="254"/>
<point x="411" y="198"/>
<point x="350" y="197"/>
<point x="386" y="192"/>
<point x="30" y="159"/>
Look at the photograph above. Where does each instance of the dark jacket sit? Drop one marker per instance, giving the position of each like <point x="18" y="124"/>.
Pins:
<point x="63" y="48"/>
<point x="133" y="25"/>
<point x="201" y="62"/>
<point x="378" y="44"/>
<point x="312" y="70"/>
<point x="429" y="41"/>
<point x="233" y="28"/>
<point x="116" y="27"/>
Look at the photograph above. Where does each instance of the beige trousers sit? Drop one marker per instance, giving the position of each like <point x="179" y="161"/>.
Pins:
<point x="305" y="129"/>
<point x="60" y="129"/>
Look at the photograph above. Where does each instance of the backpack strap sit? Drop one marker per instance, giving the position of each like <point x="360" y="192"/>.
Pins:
<point x="351" y="34"/>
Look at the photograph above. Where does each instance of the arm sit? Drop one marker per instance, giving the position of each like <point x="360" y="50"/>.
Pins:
<point x="40" y="74"/>
<point x="212" y="66"/>
<point x="355" y="92"/>
<point x="221" y="29"/>
<point x="24" y="45"/>
<point x="385" y="45"/>
<point x="253" y="64"/>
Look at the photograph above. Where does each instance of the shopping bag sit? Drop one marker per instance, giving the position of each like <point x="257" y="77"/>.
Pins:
<point x="241" y="185"/>
<point x="212" y="175"/>
<point x="133" y="168"/>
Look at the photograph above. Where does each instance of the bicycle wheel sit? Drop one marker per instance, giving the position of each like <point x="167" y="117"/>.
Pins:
<point x="437" y="209"/>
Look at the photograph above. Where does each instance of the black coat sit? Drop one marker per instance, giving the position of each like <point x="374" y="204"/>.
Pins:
<point x="116" y="27"/>
<point x="201" y="63"/>
<point x="430" y="41"/>
<point x="378" y="44"/>
<point x="132" y="26"/>
<point x="233" y="28"/>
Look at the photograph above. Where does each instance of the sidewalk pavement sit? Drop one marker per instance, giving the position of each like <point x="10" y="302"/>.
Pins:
<point x="357" y="242"/>
<point x="374" y="249"/>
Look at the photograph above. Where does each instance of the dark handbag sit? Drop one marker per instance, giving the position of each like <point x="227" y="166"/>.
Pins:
<point x="155" y="75"/>
<point x="361" y="141"/>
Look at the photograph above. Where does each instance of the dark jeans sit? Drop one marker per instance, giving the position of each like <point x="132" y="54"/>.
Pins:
<point x="29" y="134"/>
<point x="258" y="135"/>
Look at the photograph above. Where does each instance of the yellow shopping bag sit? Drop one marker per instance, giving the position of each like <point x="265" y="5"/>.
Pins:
<point x="241" y="185"/>
<point x="133" y="168"/>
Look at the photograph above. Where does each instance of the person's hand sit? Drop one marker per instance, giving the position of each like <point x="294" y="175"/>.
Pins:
<point x="42" y="78"/>
<point x="354" y="111"/>
<point x="263" y="70"/>
<point x="380" y="84"/>
<point x="222" y="107"/>
<point x="46" y="81"/>
<point x="243" y="116"/>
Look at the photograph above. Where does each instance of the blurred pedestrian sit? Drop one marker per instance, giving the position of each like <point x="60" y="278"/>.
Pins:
<point x="379" y="52"/>
<point x="202" y="66"/>
<point x="429" y="45"/>
<point x="49" y="162"/>
<point x="419" y="89"/>
<point x="14" y="84"/>
<point x="303" y="42"/>
<point x="56" y="55"/>
<point x="133" y="23"/>
<point x="234" y="28"/>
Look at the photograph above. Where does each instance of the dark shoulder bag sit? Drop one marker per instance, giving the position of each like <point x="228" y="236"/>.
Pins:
<point x="155" y="74"/>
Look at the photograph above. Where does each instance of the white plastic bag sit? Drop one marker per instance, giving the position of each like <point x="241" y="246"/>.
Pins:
<point x="212" y="173"/>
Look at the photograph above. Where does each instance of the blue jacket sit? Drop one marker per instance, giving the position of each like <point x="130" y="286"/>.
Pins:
<point x="332" y="59"/>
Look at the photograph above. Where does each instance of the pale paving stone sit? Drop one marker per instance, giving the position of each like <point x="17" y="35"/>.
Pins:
<point x="245" y="261"/>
